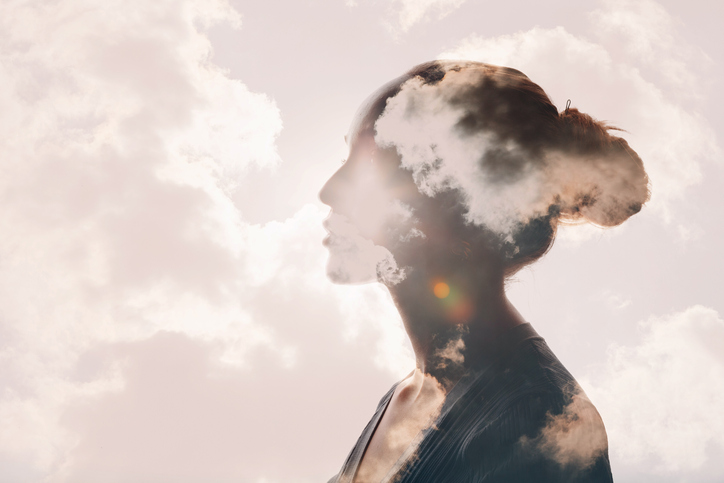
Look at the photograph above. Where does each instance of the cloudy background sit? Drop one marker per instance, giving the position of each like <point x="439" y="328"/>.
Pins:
<point x="164" y="313"/>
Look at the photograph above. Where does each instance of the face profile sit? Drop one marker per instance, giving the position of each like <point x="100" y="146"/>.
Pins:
<point x="368" y="212"/>
<point x="457" y="177"/>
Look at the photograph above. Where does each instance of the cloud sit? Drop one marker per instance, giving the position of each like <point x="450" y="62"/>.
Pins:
<point x="613" y="300"/>
<point x="661" y="399"/>
<point x="408" y="13"/>
<point x="575" y="438"/>
<point x="135" y="298"/>
<point x="647" y="34"/>
<point x="451" y="355"/>
<point x="488" y="134"/>
<point x="668" y="134"/>
<point x="121" y="142"/>
<point x="404" y="435"/>
<point x="146" y="330"/>
<point x="412" y="12"/>
<point x="355" y="259"/>
<point x="210" y="395"/>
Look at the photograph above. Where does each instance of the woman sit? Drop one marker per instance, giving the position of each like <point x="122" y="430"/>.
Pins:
<point x="457" y="177"/>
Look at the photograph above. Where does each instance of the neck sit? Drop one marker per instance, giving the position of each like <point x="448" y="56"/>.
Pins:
<point x="451" y="332"/>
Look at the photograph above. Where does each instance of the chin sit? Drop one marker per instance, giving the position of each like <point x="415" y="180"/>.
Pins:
<point x="353" y="267"/>
<point x="347" y="269"/>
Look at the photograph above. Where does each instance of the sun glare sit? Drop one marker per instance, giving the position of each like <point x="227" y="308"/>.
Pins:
<point x="441" y="290"/>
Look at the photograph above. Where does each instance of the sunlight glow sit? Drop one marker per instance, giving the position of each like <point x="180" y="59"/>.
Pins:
<point x="441" y="290"/>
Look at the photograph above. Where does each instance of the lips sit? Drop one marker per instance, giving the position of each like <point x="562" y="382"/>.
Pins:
<point x="341" y="231"/>
<point x="327" y="240"/>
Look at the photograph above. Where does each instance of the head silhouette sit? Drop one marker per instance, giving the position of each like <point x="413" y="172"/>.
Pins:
<point x="463" y="166"/>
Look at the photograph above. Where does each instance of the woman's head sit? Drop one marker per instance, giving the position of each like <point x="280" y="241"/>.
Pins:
<point x="464" y="154"/>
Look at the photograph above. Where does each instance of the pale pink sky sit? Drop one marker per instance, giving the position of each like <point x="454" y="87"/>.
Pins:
<point x="164" y="310"/>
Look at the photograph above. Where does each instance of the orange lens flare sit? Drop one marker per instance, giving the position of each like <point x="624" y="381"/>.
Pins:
<point x="458" y="308"/>
<point x="441" y="290"/>
<point x="461" y="311"/>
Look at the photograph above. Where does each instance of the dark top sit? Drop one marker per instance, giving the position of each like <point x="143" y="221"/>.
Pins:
<point x="518" y="416"/>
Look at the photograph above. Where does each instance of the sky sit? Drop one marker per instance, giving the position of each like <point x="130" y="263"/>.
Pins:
<point x="164" y="310"/>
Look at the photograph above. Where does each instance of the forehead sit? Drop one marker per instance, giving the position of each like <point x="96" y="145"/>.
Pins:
<point x="363" y="122"/>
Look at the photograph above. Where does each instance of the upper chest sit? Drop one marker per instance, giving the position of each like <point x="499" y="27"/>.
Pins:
<point x="403" y="420"/>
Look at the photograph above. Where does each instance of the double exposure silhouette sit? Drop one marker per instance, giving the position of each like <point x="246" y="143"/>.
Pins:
<point x="457" y="177"/>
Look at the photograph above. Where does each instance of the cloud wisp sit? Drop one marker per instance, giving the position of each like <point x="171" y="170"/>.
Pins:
<point x="405" y="14"/>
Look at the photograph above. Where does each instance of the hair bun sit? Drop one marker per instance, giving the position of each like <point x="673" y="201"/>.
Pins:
<point x="602" y="180"/>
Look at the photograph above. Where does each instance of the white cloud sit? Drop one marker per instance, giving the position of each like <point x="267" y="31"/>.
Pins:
<point x="405" y="14"/>
<point x="575" y="438"/>
<point x="120" y="141"/>
<point x="670" y="136"/>
<point x="130" y="284"/>
<point x="416" y="11"/>
<point x="645" y="32"/>
<point x="355" y="259"/>
<point x="574" y="235"/>
<point x="661" y="400"/>
<point x="613" y="300"/>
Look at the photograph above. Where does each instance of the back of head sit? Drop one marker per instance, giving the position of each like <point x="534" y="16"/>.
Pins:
<point x="519" y="166"/>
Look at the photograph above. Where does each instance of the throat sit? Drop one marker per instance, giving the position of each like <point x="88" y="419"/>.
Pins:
<point x="448" y="341"/>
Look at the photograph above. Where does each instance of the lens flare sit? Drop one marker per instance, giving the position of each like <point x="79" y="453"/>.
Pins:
<point x="461" y="311"/>
<point x="441" y="290"/>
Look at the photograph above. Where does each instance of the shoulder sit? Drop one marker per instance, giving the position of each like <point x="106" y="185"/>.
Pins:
<point x="534" y="439"/>
<point x="544" y="424"/>
<point x="528" y="379"/>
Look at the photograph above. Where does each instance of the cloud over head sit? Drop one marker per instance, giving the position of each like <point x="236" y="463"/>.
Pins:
<point x="518" y="167"/>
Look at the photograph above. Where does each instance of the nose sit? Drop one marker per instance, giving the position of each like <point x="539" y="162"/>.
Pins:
<point x="361" y="146"/>
<point x="331" y="190"/>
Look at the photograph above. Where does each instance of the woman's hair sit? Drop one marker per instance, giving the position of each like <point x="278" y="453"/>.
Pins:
<point x="590" y="175"/>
